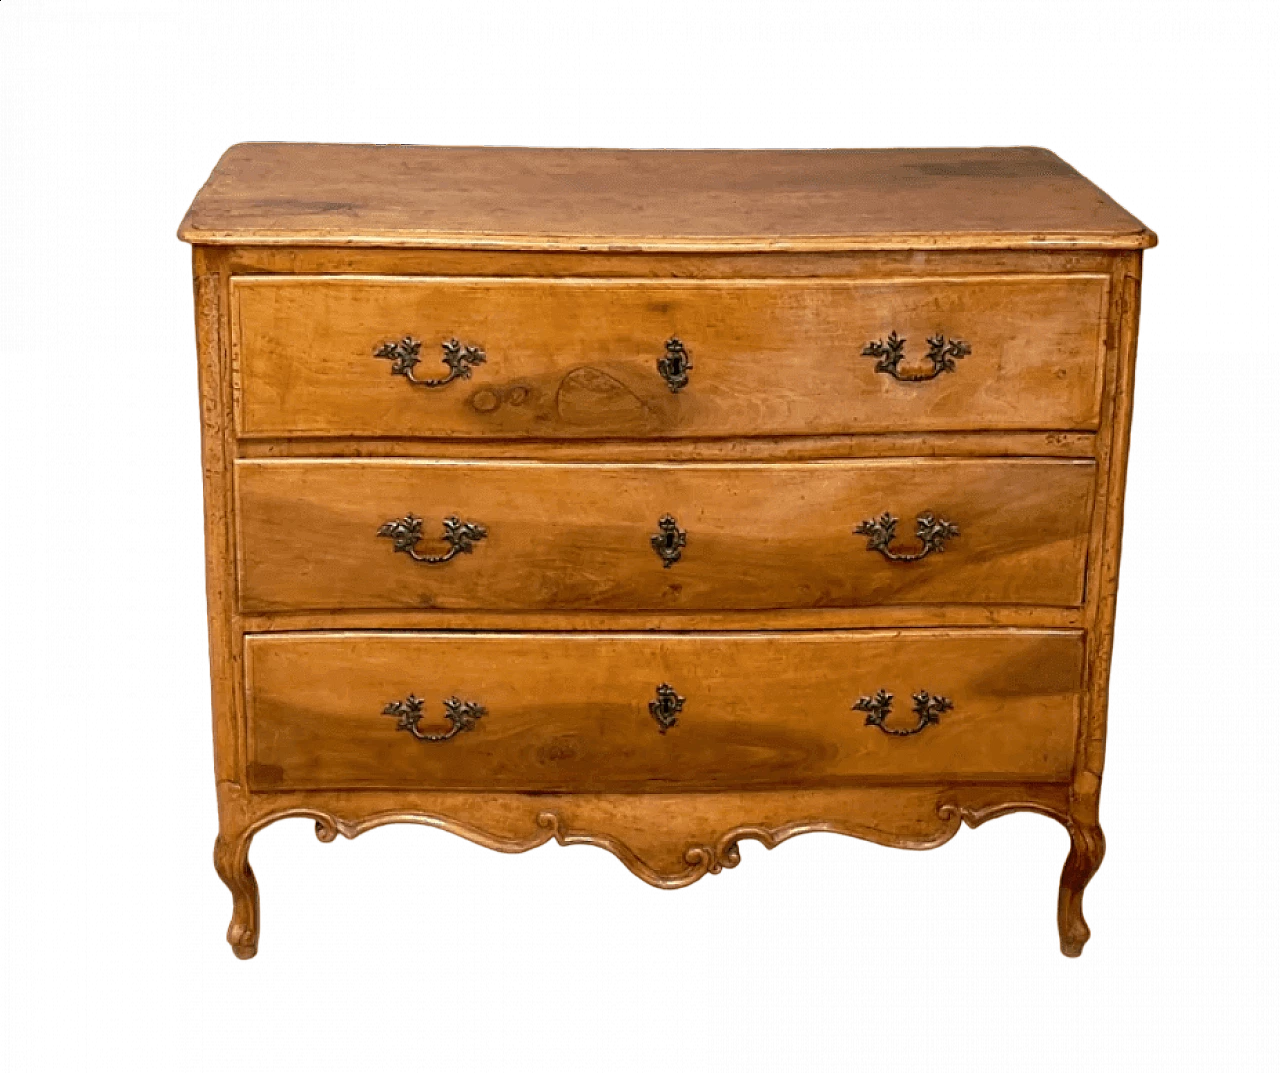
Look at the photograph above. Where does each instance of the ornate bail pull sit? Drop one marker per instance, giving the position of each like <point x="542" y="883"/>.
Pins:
<point x="926" y="706"/>
<point x="405" y="353"/>
<point x="675" y="365"/>
<point x="461" y="714"/>
<point x="666" y="707"/>
<point x="933" y="533"/>
<point x="942" y="356"/>
<point x="404" y="533"/>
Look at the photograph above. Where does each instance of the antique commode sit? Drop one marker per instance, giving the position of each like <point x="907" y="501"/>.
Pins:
<point x="658" y="500"/>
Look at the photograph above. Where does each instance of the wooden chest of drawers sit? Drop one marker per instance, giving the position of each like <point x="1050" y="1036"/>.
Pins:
<point x="658" y="500"/>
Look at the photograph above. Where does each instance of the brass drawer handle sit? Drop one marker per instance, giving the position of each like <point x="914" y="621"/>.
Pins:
<point x="666" y="707"/>
<point x="926" y="706"/>
<point x="461" y="714"/>
<point x="405" y="533"/>
<point x="669" y="541"/>
<point x="932" y="533"/>
<point x="675" y="365"/>
<point x="405" y="353"/>
<point x="942" y="356"/>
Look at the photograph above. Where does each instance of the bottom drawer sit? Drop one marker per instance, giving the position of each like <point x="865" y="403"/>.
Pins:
<point x="656" y="712"/>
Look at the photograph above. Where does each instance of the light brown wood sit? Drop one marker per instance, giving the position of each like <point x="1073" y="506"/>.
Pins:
<point x="868" y="264"/>
<point x="579" y="536"/>
<point x="755" y="449"/>
<point x="571" y="711"/>
<point x="579" y="358"/>
<point x="389" y="195"/>
<point x="1088" y="844"/>
<point x="668" y="840"/>
<point x="820" y="618"/>
<point x="217" y="451"/>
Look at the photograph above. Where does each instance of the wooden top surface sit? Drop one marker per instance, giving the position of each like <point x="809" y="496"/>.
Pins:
<point x="276" y="193"/>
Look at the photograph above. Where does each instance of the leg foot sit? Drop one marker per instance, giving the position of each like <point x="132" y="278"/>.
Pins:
<point x="1087" y="848"/>
<point x="231" y="859"/>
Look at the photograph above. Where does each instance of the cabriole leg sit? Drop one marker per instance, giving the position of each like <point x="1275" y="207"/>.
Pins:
<point x="231" y="859"/>
<point x="1087" y="849"/>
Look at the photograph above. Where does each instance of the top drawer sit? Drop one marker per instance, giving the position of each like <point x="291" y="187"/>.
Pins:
<point x="582" y="358"/>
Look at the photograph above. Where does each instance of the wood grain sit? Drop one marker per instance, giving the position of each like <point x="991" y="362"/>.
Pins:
<point x="578" y="536"/>
<point x="657" y="264"/>
<point x="217" y="452"/>
<point x="722" y="449"/>
<point x="389" y="195"/>
<point x="1088" y="843"/>
<point x="570" y="711"/>
<point x="873" y="616"/>
<point x="667" y="840"/>
<point x="771" y="267"/>
<point x="578" y="358"/>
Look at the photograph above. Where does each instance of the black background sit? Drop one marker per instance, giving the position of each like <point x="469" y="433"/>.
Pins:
<point x="414" y="898"/>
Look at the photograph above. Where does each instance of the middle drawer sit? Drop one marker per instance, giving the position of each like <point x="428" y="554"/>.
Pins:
<point x="482" y="535"/>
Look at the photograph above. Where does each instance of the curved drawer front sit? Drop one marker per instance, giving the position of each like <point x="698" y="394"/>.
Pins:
<point x="589" y="713"/>
<point x="343" y="534"/>
<point x="580" y="358"/>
